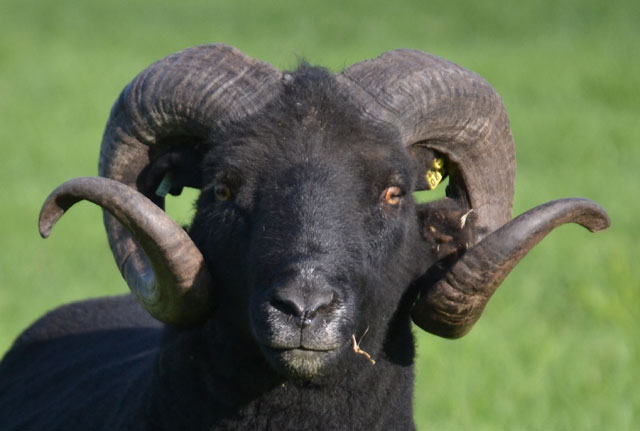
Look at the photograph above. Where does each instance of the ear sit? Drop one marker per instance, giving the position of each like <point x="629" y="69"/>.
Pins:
<point x="170" y="172"/>
<point x="447" y="229"/>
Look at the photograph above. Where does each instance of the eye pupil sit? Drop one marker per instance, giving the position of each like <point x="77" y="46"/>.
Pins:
<point x="393" y="195"/>
<point x="222" y="192"/>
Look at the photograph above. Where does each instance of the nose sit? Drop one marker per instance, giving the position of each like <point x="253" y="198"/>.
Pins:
<point x="303" y="306"/>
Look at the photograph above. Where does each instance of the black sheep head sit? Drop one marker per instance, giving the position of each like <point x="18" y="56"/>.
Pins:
<point x="307" y="221"/>
<point x="306" y="218"/>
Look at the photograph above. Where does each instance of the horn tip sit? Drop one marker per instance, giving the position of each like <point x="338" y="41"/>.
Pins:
<point x="46" y="221"/>
<point x="601" y="223"/>
<point x="596" y="217"/>
<point x="51" y="211"/>
<point x="44" y="232"/>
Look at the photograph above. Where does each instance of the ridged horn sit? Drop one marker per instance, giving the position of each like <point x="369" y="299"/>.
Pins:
<point x="177" y="290"/>
<point x="452" y="301"/>
<point x="178" y="101"/>
<point x="439" y="105"/>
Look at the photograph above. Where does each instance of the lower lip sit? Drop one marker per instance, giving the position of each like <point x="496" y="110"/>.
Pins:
<point x="302" y="353"/>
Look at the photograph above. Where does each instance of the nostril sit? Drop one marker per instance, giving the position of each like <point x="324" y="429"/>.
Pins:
<point x="319" y="302"/>
<point x="303" y="309"/>
<point x="288" y="304"/>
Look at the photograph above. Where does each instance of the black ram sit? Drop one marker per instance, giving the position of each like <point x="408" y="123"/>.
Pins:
<point x="287" y="303"/>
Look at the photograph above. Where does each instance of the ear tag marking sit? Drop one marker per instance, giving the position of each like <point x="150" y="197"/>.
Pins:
<point x="435" y="174"/>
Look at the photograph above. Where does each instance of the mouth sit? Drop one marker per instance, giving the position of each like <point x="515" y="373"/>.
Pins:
<point x="302" y="362"/>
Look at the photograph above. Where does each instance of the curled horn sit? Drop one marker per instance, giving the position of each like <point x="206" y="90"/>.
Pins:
<point x="452" y="301"/>
<point x="440" y="106"/>
<point x="178" y="274"/>
<point x="178" y="101"/>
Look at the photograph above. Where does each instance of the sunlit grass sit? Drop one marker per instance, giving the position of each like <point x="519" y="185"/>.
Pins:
<point x="559" y="344"/>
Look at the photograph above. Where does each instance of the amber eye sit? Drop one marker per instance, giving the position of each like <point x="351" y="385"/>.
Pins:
<point x="393" y="195"/>
<point x="222" y="192"/>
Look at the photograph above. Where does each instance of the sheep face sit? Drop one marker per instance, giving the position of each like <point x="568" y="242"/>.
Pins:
<point x="306" y="225"/>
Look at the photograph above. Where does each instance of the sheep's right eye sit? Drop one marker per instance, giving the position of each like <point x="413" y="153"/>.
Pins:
<point x="222" y="192"/>
<point x="393" y="195"/>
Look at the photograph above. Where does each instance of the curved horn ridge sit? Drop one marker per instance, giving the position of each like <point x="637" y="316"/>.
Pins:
<point x="177" y="290"/>
<point x="437" y="104"/>
<point x="188" y="93"/>
<point x="179" y="100"/>
<point x="451" y="302"/>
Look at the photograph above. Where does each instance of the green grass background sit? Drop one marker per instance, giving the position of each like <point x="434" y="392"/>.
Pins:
<point x="558" y="346"/>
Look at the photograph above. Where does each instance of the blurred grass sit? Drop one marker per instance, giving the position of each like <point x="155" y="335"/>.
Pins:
<point x="558" y="347"/>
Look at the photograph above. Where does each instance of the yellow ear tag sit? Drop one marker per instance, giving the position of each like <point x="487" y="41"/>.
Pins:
<point x="435" y="174"/>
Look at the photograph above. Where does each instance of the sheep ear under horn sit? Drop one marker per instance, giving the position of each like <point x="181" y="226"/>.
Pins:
<point x="177" y="102"/>
<point x="447" y="110"/>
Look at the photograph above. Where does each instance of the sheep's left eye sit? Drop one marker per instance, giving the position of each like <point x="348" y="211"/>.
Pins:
<point x="393" y="195"/>
<point x="222" y="192"/>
